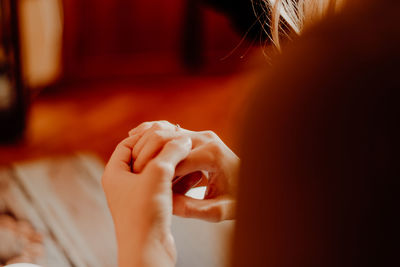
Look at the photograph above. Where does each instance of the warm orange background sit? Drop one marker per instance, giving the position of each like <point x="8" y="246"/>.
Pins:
<point x="122" y="64"/>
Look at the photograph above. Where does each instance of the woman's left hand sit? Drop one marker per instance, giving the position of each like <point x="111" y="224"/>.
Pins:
<point x="141" y="203"/>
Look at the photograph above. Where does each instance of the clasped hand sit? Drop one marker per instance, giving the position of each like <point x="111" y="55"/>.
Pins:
<point x="138" y="186"/>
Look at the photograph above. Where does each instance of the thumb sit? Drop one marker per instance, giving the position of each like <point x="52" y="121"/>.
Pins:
<point x="213" y="210"/>
<point x="173" y="152"/>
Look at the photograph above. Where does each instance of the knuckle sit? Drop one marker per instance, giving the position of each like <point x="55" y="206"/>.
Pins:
<point x="145" y="124"/>
<point x="186" y="210"/>
<point x="210" y="135"/>
<point x="159" y="125"/>
<point x="215" y="148"/>
<point x="165" y="122"/>
<point x="156" y="126"/>
<point x="216" y="213"/>
<point x="213" y="154"/>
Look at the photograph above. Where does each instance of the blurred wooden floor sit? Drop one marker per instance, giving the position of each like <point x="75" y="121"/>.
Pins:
<point x="94" y="117"/>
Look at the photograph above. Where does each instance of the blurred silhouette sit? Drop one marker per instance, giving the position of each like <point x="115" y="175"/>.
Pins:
<point x="319" y="183"/>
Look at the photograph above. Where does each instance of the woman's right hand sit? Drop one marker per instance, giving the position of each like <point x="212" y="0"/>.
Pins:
<point x="209" y="154"/>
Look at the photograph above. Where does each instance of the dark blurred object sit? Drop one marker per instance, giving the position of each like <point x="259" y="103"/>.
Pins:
<point x="12" y="99"/>
<point x="246" y="16"/>
<point x="250" y="18"/>
<point x="119" y="39"/>
<point x="193" y="36"/>
<point x="320" y="163"/>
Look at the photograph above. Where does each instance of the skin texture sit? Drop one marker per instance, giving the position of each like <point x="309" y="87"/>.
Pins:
<point x="141" y="203"/>
<point x="208" y="155"/>
<point x="138" y="182"/>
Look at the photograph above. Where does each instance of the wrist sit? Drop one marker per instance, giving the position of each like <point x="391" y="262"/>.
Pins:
<point x="160" y="251"/>
<point x="141" y="245"/>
